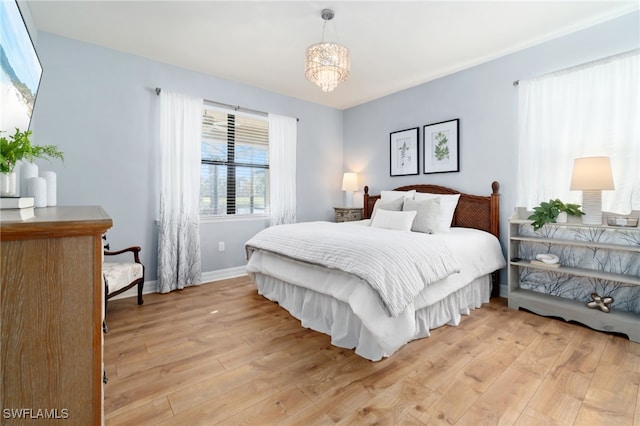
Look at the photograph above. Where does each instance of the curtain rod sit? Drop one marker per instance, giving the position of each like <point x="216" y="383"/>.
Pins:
<point x="233" y="107"/>
<point x="595" y="61"/>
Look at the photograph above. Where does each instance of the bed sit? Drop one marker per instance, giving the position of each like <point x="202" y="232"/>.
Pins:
<point x="364" y="283"/>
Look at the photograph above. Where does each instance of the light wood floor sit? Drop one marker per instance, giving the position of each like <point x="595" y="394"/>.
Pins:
<point x="221" y="354"/>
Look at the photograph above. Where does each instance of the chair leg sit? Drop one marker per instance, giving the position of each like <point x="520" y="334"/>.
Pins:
<point x="140" y="286"/>
<point x="105" y="327"/>
<point x="106" y="294"/>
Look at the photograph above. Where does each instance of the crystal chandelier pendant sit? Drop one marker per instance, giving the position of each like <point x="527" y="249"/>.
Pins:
<point x="327" y="64"/>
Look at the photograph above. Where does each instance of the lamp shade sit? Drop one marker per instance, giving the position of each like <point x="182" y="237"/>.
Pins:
<point x="350" y="182"/>
<point x="591" y="173"/>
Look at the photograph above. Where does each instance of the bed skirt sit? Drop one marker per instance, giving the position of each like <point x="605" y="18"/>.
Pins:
<point x="335" y="318"/>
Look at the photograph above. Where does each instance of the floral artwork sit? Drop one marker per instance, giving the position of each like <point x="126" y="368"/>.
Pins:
<point x="404" y="157"/>
<point x="404" y="152"/>
<point x="441" y="147"/>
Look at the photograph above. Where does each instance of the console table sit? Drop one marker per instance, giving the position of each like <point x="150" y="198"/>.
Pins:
<point x="51" y="298"/>
<point x="594" y="259"/>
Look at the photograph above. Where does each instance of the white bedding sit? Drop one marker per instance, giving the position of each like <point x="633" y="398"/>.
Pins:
<point x="344" y="306"/>
<point x="389" y="261"/>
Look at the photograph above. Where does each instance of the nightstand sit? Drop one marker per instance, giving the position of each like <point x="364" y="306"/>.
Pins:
<point x="348" y="214"/>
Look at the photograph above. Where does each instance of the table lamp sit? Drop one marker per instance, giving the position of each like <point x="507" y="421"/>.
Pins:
<point x="592" y="175"/>
<point x="349" y="184"/>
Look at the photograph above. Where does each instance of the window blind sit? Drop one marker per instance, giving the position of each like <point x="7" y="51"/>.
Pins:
<point x="235" y="163"/>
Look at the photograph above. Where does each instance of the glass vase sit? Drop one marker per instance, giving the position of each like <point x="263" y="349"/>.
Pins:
<point x="8" y="185"/>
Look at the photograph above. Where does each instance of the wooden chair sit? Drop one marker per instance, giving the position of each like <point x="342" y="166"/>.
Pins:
<point x="121" y="276"/>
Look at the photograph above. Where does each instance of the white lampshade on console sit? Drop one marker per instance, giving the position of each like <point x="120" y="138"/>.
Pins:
<point x="349" y="184"/>
<point x="592" y="175"/>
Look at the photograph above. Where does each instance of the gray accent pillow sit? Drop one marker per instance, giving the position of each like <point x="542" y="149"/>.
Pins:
<point x="393" y="205"/>
<point x="426" y="219"/>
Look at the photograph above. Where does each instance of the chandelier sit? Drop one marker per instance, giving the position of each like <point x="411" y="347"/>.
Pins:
<point x="327" y="64"/>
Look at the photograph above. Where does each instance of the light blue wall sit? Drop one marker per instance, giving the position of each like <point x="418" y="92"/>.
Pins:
<point x="485" y="101"/>
<point x="100" y="108"/>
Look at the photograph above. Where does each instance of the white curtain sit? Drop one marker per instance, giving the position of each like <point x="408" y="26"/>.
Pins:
<point x="179" y="233"/>
<point x="589" y="110"/>
<point x="282" y="169"/>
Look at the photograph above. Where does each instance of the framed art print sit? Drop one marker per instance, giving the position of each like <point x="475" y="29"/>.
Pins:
<point x="404" y="152"/>
<point x="441" y="144"/>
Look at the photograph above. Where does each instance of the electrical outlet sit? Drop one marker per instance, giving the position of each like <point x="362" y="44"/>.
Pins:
<point x="221" y="246"/>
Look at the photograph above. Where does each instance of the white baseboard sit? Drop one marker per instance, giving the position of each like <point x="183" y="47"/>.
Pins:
<point x="207" y="277"/>
<point x="224" y="274"/>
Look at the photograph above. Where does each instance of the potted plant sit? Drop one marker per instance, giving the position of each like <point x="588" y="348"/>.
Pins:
<point x="15" y="148"/>
<point x="548" y="211"/>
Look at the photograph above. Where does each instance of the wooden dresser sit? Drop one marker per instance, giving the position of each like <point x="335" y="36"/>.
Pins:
<point x="51" y="297"/>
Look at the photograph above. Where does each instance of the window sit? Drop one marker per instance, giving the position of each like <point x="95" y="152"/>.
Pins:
<point x="588" y="110"/>
<point x="234" y="174"/>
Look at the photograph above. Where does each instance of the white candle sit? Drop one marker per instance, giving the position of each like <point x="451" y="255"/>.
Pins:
<point x="51" y="178"/>
<point x="37" y="188"/>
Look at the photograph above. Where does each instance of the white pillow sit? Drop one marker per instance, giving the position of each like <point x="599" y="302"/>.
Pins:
<point x="448" y="204"/>
<point x="392" y="195"/>
<point x="427" y="212"/>
<point x="388" y="219"/>
<point x="393" y="205"/>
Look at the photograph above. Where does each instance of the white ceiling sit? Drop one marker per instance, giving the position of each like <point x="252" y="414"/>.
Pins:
<point x="394" y="44"/>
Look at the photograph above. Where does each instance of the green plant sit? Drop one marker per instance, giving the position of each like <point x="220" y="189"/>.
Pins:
<point x="548" y="211"/>
<point x="441" y="150"/>
<point x="18" y="147"/>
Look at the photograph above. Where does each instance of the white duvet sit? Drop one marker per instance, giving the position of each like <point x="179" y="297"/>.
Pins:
<point x="477" y="253"/>
<point x="390" y="261"/>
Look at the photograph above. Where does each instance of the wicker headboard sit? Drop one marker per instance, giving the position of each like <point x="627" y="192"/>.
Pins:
<point x="473" y="211"/>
